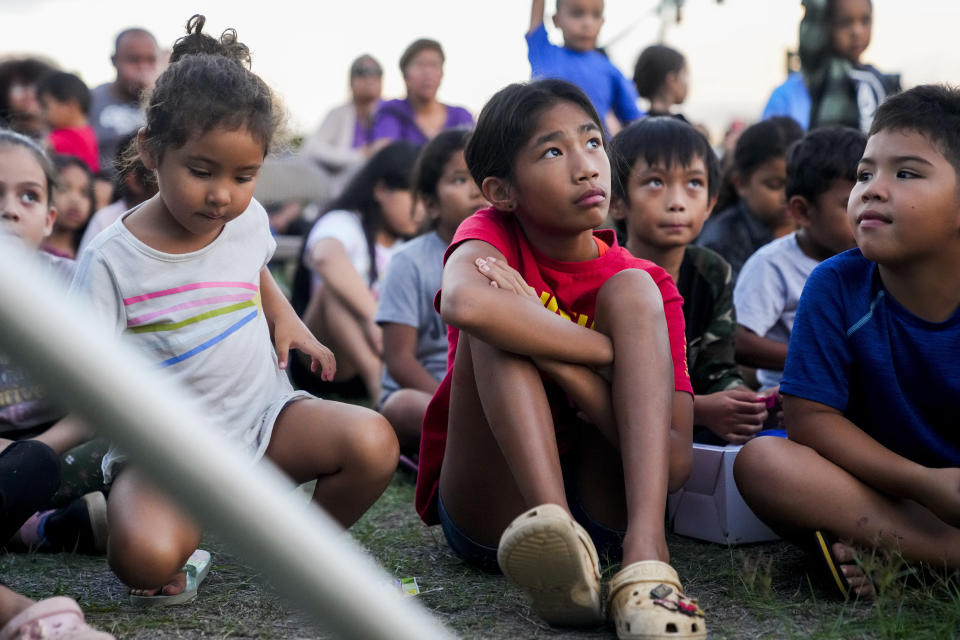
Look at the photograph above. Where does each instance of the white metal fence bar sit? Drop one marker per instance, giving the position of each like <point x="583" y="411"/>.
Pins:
<point x="297" y="547"/>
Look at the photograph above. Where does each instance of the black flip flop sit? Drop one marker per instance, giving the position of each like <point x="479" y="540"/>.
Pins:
<point x="823" y="549"/>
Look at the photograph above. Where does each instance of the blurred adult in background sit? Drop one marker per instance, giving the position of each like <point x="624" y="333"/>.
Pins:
<point x="833" y="86"/>
<point x="115" y="109"/>
<point x="420" y="116"/>
<point x="19" y="107"/>
<point x="340" y="145"/>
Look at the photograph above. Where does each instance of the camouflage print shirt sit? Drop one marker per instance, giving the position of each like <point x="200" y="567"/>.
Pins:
<point x="706" y="284"/>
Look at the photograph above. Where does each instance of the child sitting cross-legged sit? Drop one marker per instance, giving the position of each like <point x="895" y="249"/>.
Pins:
<point x="550" y="319"/>
<point x="665" y="186"/>
<point x="871" y="384"/>
<point x="821" y="168"/>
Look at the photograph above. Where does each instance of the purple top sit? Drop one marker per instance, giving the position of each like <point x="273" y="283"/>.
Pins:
<point x="363" y="135"/>
<point x="394" y="121"/>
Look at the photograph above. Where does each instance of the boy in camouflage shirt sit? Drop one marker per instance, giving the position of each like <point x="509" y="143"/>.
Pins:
<point x="666" y="185"/>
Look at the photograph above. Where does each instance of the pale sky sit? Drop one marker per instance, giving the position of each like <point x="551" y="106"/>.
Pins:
<point x="735" y="50"/>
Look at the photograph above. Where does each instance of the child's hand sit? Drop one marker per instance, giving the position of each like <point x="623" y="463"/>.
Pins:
<point x="293" y="334"/>
<point x="503" y="276"/>
<point x="736" y="415"/>
<point x="941" y="494"/>
<point x="374" y="335"/>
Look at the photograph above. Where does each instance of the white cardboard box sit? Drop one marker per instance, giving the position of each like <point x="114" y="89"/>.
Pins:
<point x="709" y="506"/>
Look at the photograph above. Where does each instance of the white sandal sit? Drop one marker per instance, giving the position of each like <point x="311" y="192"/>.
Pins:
<point x="647" y="603"/>
<point x="552" y="558"/>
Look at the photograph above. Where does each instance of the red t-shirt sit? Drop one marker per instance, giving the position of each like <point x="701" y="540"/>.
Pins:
<point x="80" y="142"/>
<point x="566" y="288"/>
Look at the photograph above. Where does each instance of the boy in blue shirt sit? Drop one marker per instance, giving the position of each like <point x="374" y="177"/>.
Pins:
<point x="872" y="378"/>
<point x="578" y="60"/>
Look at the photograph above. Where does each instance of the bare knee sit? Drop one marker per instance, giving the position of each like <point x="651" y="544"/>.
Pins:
<point x="762" y="467"/>
<point x="143" y="557"/>
<point x="632" y="291"/>
<point x="372" y="446"/>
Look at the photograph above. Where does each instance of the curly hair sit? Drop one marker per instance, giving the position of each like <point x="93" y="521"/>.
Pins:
<point x="208" y="85"/>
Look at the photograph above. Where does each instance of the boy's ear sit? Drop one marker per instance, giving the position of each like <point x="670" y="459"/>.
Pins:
<point x="799" y="209"/>
<point x="148" y="160"/>
<point x="48" y="223"/>
<point x="739" y="184"/>
<point x="711" y="206"/>
<point x="499" y="193"/>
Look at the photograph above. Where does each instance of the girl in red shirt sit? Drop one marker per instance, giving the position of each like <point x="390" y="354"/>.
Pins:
<point x="566" y="413"/>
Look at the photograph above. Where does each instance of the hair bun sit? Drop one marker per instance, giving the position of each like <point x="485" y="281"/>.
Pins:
<point x="198" y="43"/>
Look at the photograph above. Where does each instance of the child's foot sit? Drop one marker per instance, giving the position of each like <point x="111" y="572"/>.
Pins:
<point x="841" y="563"/>
<point x="858" y="582"/>
<point x="79" y="527"/>
<point x="551" y="557"/>
<point x="176" y="586"/>
<point x="646" y="602"/>
<point x="180" y="589"/>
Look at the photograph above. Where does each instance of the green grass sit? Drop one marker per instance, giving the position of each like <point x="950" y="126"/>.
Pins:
<point x="754" y="591"/>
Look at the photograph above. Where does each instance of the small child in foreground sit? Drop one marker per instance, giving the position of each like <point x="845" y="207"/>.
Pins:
<point x="871" y="385"/>
<point x="578" y="60"/>
<point x="665" y="185"/>
<point x="550" y="319"/>
<point x="414" y="335"/>
<point x="821" y="168"/>
<point x="184" y="277"/>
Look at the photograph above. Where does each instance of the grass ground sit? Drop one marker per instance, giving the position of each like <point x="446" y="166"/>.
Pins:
<point x="758" y="591"/>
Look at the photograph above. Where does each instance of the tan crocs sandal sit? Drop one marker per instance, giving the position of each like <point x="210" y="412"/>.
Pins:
<point x="552" y="558"/>
<point x="647" y="603"/>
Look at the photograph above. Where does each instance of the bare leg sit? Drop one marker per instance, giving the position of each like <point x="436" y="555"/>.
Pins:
<point x="796" y="491"/>
<point x="11" y="603"/>
<point x="336" y="326"/>
<point x="404" y="410"/>
<point x="501" y="455"/>
<point x="630" y="311"/>
<point x="150" y="537"/>
<point x="351" y="452"/>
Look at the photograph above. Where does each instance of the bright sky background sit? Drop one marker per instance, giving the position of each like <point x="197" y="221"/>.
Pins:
<point x="736" y="51"/>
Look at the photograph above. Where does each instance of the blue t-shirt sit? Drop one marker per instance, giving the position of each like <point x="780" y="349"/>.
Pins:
<point x="592" y="71"/>
<point x="894" y="375"/>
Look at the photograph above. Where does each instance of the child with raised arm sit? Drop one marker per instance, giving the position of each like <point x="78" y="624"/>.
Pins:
<point x="184" y="277"/>
<point x="665" y="184"/>
<point x="578" y="61"/>
<point x="871" y="383"/>
<point x="414" y="335"/>
<point x="550" y="319"/>
<point x="821" y="168"/>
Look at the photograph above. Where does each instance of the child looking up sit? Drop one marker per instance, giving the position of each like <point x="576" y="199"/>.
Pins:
<point x="549" y="318"/>
<point x="752" y="203"/>
<point x="665" y="184"/>
<point x="184" y="276"/>
<point x="73" y="199"/>
<point x="661" y="77"/>
<point x="871" y="383"/>
<point x="833" y="86"/>
<point x="414" y="335"/>
<point x="345" y="255"/>
<point x="65" y="101"/>
<point x="578" y="61"/>
<point x="821" y="169"/>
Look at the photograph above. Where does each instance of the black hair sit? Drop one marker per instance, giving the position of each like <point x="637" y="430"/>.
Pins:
<point x="434" y="157"/>
<point x="127" y="161"/>
<point x="759" y="143"/>
<point x="65" y="87"/>
<point x="415" y="48"/>
<point x="130" y="31"/>
<point x="8" y="137"/>
<point x="655" y="63"/>
<point x="508" y="120"/>
<point x="62" y="161"/>
<point x="659" y="140"/>
<point x="208" y="85"/>
<point x="389" y="167"/>
<point x="26" y="71"/>
<point x="821" y="157"/>
<point x="932" y="110"/>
